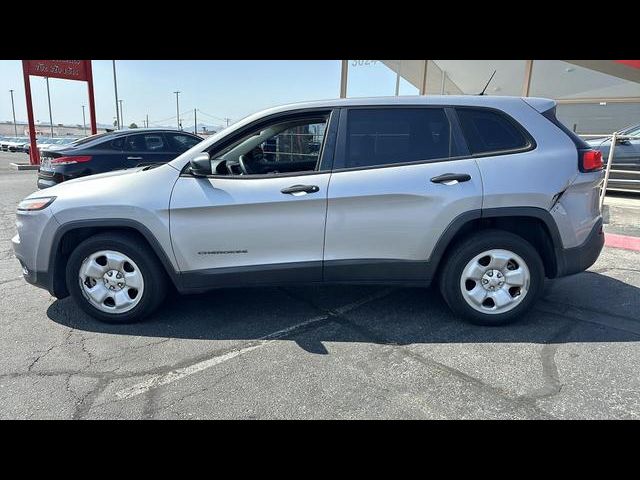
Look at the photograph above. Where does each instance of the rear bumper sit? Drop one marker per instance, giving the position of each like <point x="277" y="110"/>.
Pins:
<point x="578" y="259"/>
<point x="46" y="180"/>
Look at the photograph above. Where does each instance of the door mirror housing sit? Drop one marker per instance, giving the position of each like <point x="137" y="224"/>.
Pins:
<point x="200" y="165"/>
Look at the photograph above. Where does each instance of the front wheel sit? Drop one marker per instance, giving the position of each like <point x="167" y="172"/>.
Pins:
<point x="492" y="277"/>
<point x="114" y="278"/>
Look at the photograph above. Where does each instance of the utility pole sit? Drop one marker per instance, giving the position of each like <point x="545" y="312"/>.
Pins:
<point x="115" y="88"/>
<point x="227" y="120"/>
<point x="15" y="127"/>
<point x="195" y="121"/>
<point x="177" y="108"/>
<point x="84" y="123"/>
<point x="121" y="121"/>
<point x="49" y="99"/>
<point x="147" y="120"/>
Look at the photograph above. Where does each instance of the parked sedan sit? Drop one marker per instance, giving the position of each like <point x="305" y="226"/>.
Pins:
<point x="625" y="168"/>
<point x="112" y="151"/>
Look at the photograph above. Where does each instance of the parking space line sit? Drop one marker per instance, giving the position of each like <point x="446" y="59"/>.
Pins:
<point x="159" y="380"/>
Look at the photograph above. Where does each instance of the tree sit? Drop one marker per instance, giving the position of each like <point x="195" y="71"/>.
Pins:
<point x="133" y="125"/>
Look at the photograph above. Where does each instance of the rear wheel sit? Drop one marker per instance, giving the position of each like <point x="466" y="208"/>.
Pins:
<point x="492" y="277"/>
<point x="113" y="279"/>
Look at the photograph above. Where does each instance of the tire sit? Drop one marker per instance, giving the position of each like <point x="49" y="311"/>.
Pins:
<point x="477" y="286"/>
<point x="144" y="281"/>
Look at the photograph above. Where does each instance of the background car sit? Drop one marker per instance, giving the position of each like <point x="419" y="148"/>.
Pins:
<point x="625" y="168"/>
<point x="111" y="151"/>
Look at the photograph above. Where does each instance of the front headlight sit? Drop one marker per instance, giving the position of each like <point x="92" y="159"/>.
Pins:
<point x="30" y="204"/>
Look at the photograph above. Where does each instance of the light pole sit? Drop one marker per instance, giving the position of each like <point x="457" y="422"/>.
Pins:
<point x="195" y="122"/>
<point x="115" y="88"/>
<point x="49" y="100"/>
<point x="178" y="109"/>
<point x="84" y="123"/>
<point x="121" y="122"/>
<point x="15" y="127"/>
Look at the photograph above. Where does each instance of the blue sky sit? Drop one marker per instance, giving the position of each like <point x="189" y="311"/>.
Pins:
<point x="221" y="88"/>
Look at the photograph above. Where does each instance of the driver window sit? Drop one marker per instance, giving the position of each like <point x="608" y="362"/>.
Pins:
<point x="285" y="147"/>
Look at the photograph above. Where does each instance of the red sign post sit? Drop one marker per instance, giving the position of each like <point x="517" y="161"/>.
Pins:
<point x="65" y="69"/>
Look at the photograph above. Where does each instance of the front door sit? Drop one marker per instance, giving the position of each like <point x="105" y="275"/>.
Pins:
<point x="260" y="217"/>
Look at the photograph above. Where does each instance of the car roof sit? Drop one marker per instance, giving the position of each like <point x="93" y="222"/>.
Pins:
<point x="147" y="130"/>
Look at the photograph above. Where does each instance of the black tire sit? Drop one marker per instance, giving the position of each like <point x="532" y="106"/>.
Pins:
<point x="155" y="280"/>
<point x="464" y="251"/>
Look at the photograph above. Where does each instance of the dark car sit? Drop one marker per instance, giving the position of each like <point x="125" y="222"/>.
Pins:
<point x="625" y="168"/>
<point x="112" y="151"/>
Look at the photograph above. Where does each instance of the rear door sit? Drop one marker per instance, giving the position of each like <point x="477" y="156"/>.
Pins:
<point x="400" y="178"/>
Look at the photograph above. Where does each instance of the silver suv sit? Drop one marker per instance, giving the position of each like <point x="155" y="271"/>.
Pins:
<point x="486" y="196"/>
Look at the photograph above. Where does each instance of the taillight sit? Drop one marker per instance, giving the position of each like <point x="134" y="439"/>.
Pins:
<point x="70" y="160"/>
<point x="590" y="161"/>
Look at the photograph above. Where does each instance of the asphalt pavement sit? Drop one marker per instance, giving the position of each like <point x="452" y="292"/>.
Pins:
<point x="336" y="352"/>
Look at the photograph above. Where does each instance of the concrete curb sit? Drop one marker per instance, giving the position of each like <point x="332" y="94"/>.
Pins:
<point x="24" y="166"/>
<point x="622" y="241"/>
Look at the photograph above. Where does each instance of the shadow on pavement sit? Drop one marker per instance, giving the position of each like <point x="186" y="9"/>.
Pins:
<point x="403" y="316"/>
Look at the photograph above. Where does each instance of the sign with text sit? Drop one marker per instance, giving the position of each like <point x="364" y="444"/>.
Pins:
<point x="67" y="69"/>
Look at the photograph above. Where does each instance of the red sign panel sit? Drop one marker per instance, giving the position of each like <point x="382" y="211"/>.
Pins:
<point x="67" y="69"/>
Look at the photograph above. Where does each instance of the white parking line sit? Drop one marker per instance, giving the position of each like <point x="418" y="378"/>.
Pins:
<point x="180" y="373"/>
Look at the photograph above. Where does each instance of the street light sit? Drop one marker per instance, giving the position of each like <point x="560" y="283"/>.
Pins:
<point x="15" y="127"/>
<point x="178" y="109"/>
<point x="84" y="123"/>
<point x="115" y="87"/>
<point x="49" y="100"/>
<point x="121" y="121"/>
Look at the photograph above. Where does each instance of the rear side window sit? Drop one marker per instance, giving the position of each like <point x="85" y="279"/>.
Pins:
<point x="489" y="131"/>
<point x="148" y="142"/>
<point x="180" y="142"/>
<point x="387" y="136"/>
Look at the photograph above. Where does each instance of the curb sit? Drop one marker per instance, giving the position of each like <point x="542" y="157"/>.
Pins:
<point x="625" y="242"/>
<point x="24" y="166"/>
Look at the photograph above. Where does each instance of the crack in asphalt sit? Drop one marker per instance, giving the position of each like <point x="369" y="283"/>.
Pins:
<point x="522" y="402"/>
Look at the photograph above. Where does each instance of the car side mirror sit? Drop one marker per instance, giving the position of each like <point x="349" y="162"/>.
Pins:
<point x="200" y="165"/>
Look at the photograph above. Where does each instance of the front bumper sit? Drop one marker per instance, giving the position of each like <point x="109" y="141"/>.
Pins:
<point x="34" y="277"/>
<point x="578" y="259"/>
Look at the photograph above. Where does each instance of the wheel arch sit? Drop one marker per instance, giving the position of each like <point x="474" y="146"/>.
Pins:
<point x="70" y="234"/>
<point x="535" y="225"/>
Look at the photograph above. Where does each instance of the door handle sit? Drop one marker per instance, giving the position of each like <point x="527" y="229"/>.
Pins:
<point x="451" y="178"/>
<point x="134" y="158"/>
<point x="300" y="189"/>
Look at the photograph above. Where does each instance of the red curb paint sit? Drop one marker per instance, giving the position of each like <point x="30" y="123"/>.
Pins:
<point x="622" y="241"/>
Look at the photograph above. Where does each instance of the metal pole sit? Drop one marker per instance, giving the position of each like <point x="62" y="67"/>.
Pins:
<point x="177" y="108"/>
<point x="398" y="78"/>
<point x="423" y="90"/>
<point x="147" y="120"/>
<point x="15" y="127"/>
<point x="528" y="69"/>
<point x="121" y="122"/>
<point x="49" y="100"/>
<point x="84" y="123"/>
<point x="195" y="121"/>
<point x="115" y="88"/>
<point x="614" y="139"/>
<point x="344" y="74"/>
<point x="444" y="78"/>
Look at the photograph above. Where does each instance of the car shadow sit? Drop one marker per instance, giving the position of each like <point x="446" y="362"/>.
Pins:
<point x="387" y="315"/>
